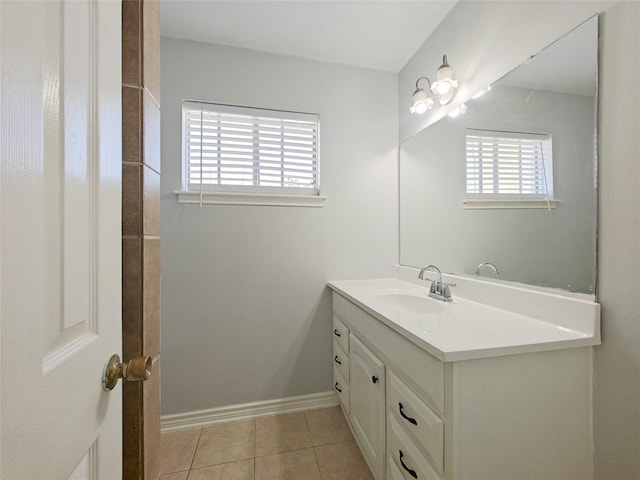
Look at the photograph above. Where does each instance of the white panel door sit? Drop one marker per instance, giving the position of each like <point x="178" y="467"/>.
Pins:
<point x="60" y="243"/>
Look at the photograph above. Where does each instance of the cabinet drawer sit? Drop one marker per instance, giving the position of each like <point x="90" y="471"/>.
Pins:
<point x="341" y="361"/>
<point x="341" y="334"/>
<point x="408" y="459"/>
<point x="415" y="417"/>
<point x="341" y="387"/>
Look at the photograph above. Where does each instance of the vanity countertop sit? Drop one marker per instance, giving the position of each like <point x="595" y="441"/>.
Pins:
<point x="466" y="329"/>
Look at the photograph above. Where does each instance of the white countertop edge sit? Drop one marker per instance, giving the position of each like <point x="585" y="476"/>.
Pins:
<point x="473" y="354"/>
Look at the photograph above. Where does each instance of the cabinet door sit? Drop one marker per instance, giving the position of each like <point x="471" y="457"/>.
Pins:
<point x="367" y="404"/>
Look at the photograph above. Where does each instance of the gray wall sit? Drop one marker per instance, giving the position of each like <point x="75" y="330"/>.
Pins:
<point x="547" y="248"/>
<point x="506" y="33"/>
<point x="246" y="315"/>
<point x="617" y="361"/>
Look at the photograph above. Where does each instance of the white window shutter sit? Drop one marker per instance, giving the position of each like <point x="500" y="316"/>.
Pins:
<point x="229" y="148"/>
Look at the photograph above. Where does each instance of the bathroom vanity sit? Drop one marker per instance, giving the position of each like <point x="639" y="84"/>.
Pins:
<point x="493" y="385"/>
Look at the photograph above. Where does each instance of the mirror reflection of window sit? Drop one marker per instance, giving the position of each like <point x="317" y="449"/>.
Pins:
<point x="509" y="165"/>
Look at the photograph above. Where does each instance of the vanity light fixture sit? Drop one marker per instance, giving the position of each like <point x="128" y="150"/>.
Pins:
<point x="421" y="102"/>
<point x="444" y="89"/>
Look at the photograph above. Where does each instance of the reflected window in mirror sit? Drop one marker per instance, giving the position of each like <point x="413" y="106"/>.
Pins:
<point x="508" y="165"/>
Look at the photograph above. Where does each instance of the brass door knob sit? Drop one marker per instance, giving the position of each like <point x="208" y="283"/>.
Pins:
<point x="138" y="369"/>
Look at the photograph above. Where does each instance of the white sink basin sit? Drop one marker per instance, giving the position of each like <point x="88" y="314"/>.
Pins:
<point x="408" y="302"/>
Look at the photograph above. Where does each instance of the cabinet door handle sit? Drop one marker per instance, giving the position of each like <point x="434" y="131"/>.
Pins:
<point x="336" y="333"/>
<point x="374" y="379"/>
<point x="337" y="360"/>
<point x="404" y="415"/>
<point x="337" y="387"/>
<point x="411" y="472"/>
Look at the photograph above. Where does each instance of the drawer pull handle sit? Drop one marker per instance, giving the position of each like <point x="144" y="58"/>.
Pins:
<point x="336" y="333"/>
<point x="404" y="415"/>
<point x="374" y="379"/>
<point x="411" y="472"/>
<point x="337" y="387"/>
<point x="337" y="360"/>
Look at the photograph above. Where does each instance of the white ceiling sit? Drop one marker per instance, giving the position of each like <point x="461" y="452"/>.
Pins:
<point x="382" y="35"/>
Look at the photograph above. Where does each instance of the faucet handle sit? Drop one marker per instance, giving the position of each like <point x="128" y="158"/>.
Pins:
<point x="439" y="287"/>
<point x="446" y="291"/>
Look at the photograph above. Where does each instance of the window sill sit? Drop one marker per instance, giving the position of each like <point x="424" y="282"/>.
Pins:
<point x="256" y="199"/>
<point x="497" y="204"/>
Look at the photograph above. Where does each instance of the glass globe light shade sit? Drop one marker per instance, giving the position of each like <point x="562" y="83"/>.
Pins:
<point x="444" y="80"/>
<point x="421" y="102"/>
<point x="420" y="108"/>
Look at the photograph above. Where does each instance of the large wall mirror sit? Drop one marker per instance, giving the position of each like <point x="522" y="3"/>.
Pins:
<point x="457" y="213"/>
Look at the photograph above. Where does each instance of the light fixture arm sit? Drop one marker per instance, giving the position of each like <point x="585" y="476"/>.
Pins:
<point x="422" y="78"/>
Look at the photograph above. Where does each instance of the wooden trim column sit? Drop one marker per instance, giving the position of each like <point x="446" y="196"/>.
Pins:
<point x="141" y="232"/>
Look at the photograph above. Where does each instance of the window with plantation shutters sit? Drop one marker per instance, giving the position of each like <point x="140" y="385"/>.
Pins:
<point x="508" y="166"/>
<point x="248" y="150"/>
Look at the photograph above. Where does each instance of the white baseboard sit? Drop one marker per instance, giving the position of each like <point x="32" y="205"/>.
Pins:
<point x="204" y="418"/>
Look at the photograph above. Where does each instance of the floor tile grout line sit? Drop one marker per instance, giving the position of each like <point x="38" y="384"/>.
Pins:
<point x="173" y="473"/>
<point x="288" y="449"/>
<point x="297" y="449"/>
<point x="195" y="451"/>
<point x="306" y="421"/>
<point x="255" y="445"/>
<point x="315" y="454"/>
<point x="187" y="469"/>
<point x="222" y="463"/>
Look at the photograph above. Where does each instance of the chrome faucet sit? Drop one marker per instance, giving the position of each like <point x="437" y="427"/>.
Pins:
<point x="439" y="290"/>
<point x="491" y="266"/>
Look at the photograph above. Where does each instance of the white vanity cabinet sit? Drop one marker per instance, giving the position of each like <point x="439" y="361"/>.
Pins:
<point x="521" y="416"/>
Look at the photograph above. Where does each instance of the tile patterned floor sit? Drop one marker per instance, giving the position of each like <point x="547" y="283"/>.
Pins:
<point x="310" y="445"/>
